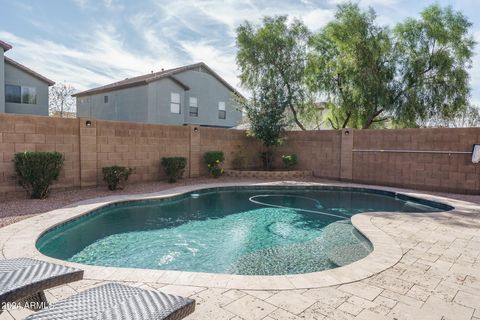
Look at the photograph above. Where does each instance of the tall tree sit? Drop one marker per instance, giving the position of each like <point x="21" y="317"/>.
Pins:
<point x="274" y="56"/>
<point x="61" y="102"/>
<point x="372" y="75"/>
<point x="353" y="65"/>
<point x="435" y="54"/>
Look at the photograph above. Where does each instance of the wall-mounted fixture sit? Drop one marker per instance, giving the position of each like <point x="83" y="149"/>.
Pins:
<point x="476" y="153"/>
<point x="195" y="129"/>
<point x="347" y="133"/>
<point x="88" y="123"/>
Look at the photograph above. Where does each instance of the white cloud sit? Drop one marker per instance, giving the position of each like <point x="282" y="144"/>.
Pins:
<point x="93" y="4"/>
<point x="102" y="61"/>
<point x="317" y="18"/>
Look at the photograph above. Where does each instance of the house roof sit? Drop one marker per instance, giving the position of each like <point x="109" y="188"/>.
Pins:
<point x="5" y="45"/>
<point x="29" y="71"/>
<point x="141" y="80"/>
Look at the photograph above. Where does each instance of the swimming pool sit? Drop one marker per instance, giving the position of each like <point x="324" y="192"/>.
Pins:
<point x="235" y="230"/>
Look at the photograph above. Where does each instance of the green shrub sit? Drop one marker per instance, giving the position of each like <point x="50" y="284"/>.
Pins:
<point x="174" y="167"/>
<point x="290" y="161"/>
<point x="214" y="159"/>
<point x="211" y="157"/>
<point x="36" y="171"/>
<point x="239" y="161"/>
<point x="116" y="176"/>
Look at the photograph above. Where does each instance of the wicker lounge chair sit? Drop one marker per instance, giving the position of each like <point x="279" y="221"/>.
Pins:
<point x="24" y="279"/>
<point x="116" y="301"/>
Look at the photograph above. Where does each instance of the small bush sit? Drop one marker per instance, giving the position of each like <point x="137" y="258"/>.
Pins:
<point x="290" y="161"/>
<point x="36" y="171"/>
<point x="174" y="167"/>
<point x="239" y="161"/>
<point x="116" y="176"/>
<point x="214" y="159"/>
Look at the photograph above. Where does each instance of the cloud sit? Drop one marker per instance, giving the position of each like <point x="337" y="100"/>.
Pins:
<point x="317" y="18"/>
<point x="92" y="5"/>
<point x="103" y="60"/>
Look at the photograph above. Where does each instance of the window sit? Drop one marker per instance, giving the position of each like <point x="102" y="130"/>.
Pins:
<point x="29" y="95"/>
<point x="193" y="107"/>
<point x="222" y="113"/>
<point x="105" y="99"/>
<point x="13" y="93"/>
<point x="175" y="103"/>
<point x="19" y="94"/>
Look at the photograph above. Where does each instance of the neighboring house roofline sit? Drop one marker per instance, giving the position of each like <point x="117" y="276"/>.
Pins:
<point x="145" y="79"/>
<point x="29" y="71"/>
<point x="5" y="46"/>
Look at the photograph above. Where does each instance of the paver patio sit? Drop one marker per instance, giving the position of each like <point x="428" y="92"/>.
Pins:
<point x="437" y="277"/>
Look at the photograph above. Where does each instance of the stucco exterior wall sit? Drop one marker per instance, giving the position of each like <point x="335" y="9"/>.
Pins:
<point x="150" y="103"/>
<point x="124" y="105"/>
<point x="15" y="76"/>
<point x="209" y="91"/>
<point x="2" y="81"/>
<point x="159" y="102"/>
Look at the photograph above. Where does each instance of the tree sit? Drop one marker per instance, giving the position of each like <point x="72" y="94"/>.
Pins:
<point x="434" y="53"/>
<point x="267" y="120"/>
<point x="373" y="76"/>
<point x="273" y="57"/>
<point x="469" y="118"/>
<point x="61" y="102"/>
<point x="353" y="64"/>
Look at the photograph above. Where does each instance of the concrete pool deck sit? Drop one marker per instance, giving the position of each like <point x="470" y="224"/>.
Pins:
<point x="424" y="266"/>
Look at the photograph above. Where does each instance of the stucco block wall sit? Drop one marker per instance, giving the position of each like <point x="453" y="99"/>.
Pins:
<point x="316" y="151"/>
<point x="31" y="133"/>
<point x="230" y="142"/>
<point x="441" y="172"/>
<point x="359" y="156"/>
<point x="19" y="77"/>
<point x="140" y="146"/>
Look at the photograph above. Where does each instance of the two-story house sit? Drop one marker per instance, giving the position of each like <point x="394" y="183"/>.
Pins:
<point x="22" y="90"/>
<point x="193" y="94"/>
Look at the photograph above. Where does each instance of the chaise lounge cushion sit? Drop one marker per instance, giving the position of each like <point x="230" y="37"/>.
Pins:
<point x="22" y="277"/>
<point x="116" y="301"/>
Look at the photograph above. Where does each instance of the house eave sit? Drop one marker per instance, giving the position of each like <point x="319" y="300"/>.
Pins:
<point x="5" y="46"/>
<point x="29" y="71"/>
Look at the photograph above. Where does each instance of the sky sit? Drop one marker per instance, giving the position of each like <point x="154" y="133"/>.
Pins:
<point x="88" y="43"/>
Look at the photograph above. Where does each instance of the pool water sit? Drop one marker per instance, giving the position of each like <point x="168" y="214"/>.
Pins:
<point x="234" y="231"/>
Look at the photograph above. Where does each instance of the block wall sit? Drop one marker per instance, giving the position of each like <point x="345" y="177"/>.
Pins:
<point x="431" y="159"/>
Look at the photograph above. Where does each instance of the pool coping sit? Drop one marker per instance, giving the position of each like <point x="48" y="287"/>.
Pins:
<point x="18" y="240"/>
